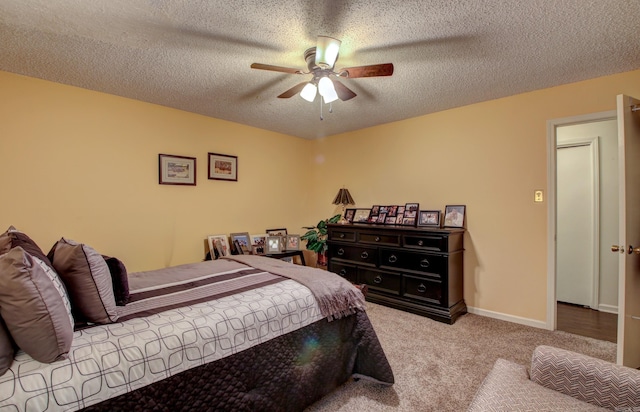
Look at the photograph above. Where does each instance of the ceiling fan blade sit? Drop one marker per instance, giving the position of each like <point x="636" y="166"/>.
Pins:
<point x="293" y="91"/>
<point x="385" y="69"/>
<point x="344" y="93"/>
<point x="261" y="66"/>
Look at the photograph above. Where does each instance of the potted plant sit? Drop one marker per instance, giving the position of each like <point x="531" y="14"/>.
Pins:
<point x="316" y="238"/>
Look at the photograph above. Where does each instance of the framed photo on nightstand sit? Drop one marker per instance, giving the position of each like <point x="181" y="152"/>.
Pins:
<point x="274" y="244"/>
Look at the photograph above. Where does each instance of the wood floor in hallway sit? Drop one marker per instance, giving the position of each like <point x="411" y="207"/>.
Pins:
<point x="585" y="321"/>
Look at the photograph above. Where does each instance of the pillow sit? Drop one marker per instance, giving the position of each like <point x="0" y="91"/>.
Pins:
<point x="88" y="280"/>
<point x="6" y="348"/>
<point x="14" y="238"/>
<point x="33" y="308"/>
<point x="119" y="280"/>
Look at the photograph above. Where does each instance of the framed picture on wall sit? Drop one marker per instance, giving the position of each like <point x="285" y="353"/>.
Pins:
<point x="454" y="215"/>
<point x="429" y="218"/>
<point x="223" y="167"/>
<point x="176" y="170"/>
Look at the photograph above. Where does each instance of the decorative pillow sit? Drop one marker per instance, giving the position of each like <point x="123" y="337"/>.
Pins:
<point x="88" y="280"/>
<point x="6" y="348"/>
<point x="32" y="307"/>
<point x="14" y="238"/>
<point x="119" y="280"/>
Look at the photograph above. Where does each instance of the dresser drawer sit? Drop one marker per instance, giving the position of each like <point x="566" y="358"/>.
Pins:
<point x="380" y="281"/>
<point x="434" y="265"/>
<point x="380" y="238"/>
<point x="354" y="253"/>
<point x="347" y="271"/>
<point x="427" y="290"/>
<point x="427" y="242"/>
<point x="342" y="235"/>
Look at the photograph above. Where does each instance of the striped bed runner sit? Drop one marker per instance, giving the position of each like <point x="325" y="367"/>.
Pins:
<point x="155" y="299"/>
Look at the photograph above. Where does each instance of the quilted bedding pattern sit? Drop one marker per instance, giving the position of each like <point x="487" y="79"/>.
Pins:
<point x="287" y="373"/>
<point x="110" y="360"/>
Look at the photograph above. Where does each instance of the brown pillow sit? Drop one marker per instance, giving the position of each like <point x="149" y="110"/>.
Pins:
<point x="32" y="307"/>
<point x="88" y="280"/>
<point x="119" y="280"/>
<point x="6" y="348"/>
<point x="14" y="238"/>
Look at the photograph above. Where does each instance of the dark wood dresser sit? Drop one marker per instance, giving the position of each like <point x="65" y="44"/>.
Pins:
<point x="419" y="270"/>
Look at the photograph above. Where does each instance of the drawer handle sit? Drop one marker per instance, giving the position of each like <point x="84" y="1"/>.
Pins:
<point x="424" y="263"/>
<point x="420" y="243"/>
<point x="422" y="288"/>
<point x="343" y="272"/>
<point x="377" y="238"/>
<point x="341" y="235"/>
<point x="377" y="279"/>
<point x="393" y="259"/>
<point x="341" y="251"/>
<point x="364" y="255"/>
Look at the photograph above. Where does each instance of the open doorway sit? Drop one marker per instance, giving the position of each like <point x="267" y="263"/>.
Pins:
<point x="583" y="294"/>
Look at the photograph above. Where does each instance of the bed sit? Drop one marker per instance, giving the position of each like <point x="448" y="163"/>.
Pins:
<point x="245" y="333"/>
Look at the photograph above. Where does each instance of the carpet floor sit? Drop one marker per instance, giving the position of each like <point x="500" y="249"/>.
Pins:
<point x="439" y="367"/>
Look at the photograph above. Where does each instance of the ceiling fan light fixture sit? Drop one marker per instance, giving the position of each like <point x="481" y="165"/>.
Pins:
<point x="327" y="90"/>
<point x="309" y="92"/>
<point x="327" y="51"/>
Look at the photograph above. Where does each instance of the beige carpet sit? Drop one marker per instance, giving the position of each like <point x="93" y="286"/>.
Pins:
<point x="439" y="367"/>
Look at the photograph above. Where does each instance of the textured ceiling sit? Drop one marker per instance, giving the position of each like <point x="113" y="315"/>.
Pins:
<point x="196" y="55"/>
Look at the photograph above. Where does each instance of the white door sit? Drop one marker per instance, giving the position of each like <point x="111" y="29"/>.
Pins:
<point x="628" y="110"/>
<point x="577" y="227"/>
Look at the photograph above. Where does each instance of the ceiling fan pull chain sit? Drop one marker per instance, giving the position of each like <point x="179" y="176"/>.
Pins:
<point x="330" y="107"/>
<point x="321" y="118"/>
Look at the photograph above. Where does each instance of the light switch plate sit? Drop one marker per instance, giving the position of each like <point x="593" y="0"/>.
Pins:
<point x="538" y="196"/>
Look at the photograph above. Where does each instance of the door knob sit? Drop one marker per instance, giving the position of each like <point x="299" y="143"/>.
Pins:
<point x="616" y="248"/>
<point x="634" y="249"/>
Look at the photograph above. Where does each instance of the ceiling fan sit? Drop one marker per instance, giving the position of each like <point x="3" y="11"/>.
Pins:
<point x="320" y="62"/>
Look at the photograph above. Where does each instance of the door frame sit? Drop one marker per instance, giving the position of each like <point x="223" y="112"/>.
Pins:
<point x="552" y="125"/>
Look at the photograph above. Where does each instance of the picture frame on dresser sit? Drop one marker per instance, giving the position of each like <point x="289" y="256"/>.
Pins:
<point x="176" y="170"/>
<point x="429" y="218"/>
<point x="454" y="216"/>
<point x="348" y="215"/>
<point x="361" y="215"/>
<point x="223" y="167"/>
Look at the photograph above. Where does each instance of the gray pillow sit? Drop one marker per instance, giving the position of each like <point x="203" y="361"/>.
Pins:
<point x="6" y="348"/>
<point x="88" y="280"/>
<point x="33" y="308"/>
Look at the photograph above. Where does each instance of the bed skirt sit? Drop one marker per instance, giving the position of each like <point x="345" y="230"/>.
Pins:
<point x="287" y="373"/>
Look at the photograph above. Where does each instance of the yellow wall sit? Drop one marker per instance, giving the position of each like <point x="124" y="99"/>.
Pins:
<point x="84" y="165"/>
<point x="489" y="156"/>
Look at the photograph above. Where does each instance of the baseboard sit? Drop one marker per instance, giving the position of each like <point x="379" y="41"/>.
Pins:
<point x="608" y="309"/>
<point x="509" y="318"/>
